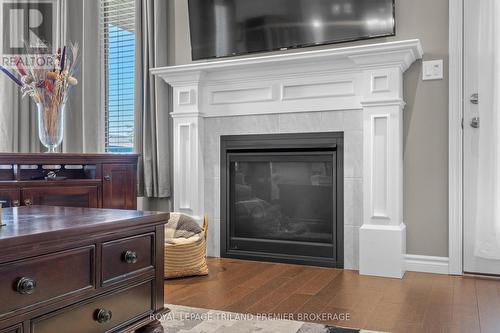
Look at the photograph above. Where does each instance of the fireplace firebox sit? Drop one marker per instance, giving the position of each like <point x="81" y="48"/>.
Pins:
<point x="282" y="198"/>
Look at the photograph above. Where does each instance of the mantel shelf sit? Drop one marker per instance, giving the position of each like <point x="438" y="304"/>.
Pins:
<point x="400" y="54"/>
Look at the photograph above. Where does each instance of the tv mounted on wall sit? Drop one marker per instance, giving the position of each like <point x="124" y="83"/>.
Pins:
<point x="221" y="28"/>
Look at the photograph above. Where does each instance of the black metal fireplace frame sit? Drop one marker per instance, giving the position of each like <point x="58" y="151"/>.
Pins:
<point x="333" y="141"/>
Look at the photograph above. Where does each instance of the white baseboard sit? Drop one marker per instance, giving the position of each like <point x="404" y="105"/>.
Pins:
<point x="427" y="264"/>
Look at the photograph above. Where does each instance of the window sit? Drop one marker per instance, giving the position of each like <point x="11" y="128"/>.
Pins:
<point x="117" y="20"/>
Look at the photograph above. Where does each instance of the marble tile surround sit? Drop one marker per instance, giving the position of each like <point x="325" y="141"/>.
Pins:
<point x="350" y="122"/>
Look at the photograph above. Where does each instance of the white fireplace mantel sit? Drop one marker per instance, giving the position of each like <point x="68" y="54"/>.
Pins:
<point x="368" y="78"/>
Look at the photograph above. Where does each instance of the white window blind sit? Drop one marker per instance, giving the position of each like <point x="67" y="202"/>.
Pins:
<point x="117" y="21"/>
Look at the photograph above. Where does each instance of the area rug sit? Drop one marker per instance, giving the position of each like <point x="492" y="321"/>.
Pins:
<point x="183" y="319"/>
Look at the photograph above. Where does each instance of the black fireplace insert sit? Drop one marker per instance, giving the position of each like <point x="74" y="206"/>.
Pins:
<point x="282" y="198"/>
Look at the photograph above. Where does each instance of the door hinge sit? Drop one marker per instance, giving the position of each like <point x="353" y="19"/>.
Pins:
<point x="462" y="123"/>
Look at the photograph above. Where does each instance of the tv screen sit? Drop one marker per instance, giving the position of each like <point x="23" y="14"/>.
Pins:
<point x="221" y="28"/>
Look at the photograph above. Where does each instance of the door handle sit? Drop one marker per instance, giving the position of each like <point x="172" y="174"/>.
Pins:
<point x="474" y="98"/>
<point x="474" y="123"/>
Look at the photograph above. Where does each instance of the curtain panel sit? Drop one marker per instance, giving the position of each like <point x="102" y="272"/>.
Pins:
<point x="82" y="128"/>
<point x="18" y="122"/>
<point x="152" y="95"/>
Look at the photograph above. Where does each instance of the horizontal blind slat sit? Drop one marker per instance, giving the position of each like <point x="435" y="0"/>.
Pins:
<point x="117" y="35"/>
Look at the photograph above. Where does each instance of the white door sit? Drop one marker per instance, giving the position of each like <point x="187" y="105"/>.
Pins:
<point x="481" y="137"/>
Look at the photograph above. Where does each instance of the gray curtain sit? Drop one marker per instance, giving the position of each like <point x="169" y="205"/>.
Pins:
<point x="152" y="97"/>
<point x="84" y="121"/>
<point x="18" y="118"/>
<point x="18" y="127"/>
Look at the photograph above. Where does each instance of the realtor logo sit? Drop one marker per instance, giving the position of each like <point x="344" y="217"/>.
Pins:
<point x="27" y="24"/>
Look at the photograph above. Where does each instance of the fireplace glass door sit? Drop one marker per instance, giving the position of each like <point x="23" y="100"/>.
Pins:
<point x="283" y="202"/>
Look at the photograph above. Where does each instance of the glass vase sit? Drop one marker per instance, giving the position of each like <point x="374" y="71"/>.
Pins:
<point x="51" y="124"/>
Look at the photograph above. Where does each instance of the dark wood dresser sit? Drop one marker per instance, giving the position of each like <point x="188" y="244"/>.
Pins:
<point x="80" y="270"/>
<point x="82" y="180"/>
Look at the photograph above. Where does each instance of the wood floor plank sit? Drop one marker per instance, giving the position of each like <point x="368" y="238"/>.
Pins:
<point x="465" y="316"/>
<point x="291" y="304"/>
<point x="319" y="281"/>
<point x="264" y="276"/>
<point x="419" y="302"/>
<point x="284" y="274"/>
<point x="315" y="307"/>
<point x="240" y="272"/>
<point x="488" y="299"/>
<point x="464" y="291"/>
<point x="244" y="304"/>
<point x="270" y="301"/>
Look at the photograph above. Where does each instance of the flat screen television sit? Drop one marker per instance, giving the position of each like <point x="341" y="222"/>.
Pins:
<point x="221" y="28"/>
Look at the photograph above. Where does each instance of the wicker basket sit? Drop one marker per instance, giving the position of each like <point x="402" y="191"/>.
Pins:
<point x="187" y="259"/>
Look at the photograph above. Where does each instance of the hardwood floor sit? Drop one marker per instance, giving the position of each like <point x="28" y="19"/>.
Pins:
<point x="418" y="303"/>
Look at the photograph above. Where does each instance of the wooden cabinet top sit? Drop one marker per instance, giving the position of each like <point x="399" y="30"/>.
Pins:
<point x="35" y="158"/>
<point x="38" y="224"/>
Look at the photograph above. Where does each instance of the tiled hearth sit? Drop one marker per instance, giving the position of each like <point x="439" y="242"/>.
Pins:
<point x="357" y="90"/>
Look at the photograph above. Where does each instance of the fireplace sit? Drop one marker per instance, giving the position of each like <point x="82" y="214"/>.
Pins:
<point x="282" y="198"/>
<point x="357" y="90"/>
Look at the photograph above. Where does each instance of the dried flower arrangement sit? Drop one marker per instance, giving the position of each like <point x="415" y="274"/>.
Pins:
<point x="48" y="87"/>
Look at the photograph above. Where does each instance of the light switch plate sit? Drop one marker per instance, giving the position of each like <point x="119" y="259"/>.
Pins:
<point x="432" y="70"/>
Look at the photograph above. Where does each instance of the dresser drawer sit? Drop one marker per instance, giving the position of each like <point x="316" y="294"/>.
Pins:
<point x="102" y="314"/>
<point x="124" y="257"/>
<point x="15" y="329"/>
<point x="37" y="280"/>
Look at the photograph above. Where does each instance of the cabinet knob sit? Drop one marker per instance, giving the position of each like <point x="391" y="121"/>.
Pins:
<point x="107" y="178"/>
<point x="103" y="316"/>
<point x="28" y="202"/>
<point x="130" y="257"/>
<point x="26" y="286"/>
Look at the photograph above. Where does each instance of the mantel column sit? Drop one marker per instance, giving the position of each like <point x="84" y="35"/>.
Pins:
<point x="382" y="237"/>
<point x="188" y="147"/>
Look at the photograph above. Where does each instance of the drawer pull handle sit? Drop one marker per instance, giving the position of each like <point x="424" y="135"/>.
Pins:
<point x="130" y="257"/>
<point x="107" y="178"/>
<point x="28" y="202"/>
<point x="16" y="203"/>
<point x="103" y="316"/>
<point x="26" y="286"/>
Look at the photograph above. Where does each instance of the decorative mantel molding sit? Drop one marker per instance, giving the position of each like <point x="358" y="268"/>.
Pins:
<point x="368" y="78"/>
<point x="331" y="79"/>
<point x="399" y="54"/>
